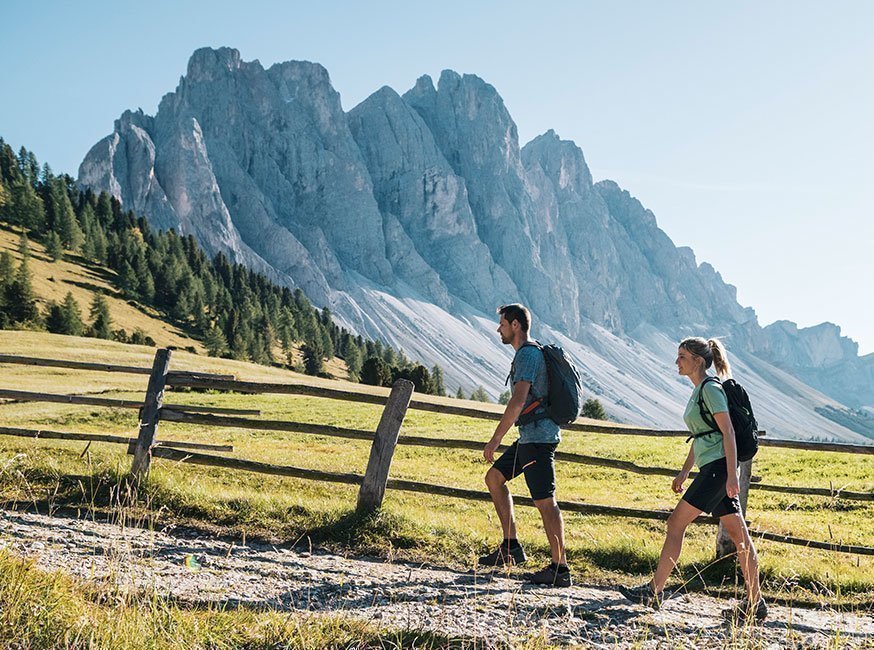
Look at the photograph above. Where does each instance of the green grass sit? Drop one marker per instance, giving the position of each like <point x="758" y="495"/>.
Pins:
<point x="54" y="474"/>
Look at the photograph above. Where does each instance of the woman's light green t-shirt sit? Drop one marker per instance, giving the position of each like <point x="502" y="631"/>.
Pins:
<point x="709" y="447"/>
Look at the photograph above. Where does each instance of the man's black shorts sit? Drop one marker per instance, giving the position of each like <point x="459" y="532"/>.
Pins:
<point x="534" y="459"/>
<point x="707" y="492"/>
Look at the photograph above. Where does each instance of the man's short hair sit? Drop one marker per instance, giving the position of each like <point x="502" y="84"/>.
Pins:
<point x="516" y="312"/>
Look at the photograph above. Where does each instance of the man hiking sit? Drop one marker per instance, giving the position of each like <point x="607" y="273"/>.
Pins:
<point x="533" y="454"/>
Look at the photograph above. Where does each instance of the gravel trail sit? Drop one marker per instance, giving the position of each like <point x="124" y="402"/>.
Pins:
<point x="493" y="607"/>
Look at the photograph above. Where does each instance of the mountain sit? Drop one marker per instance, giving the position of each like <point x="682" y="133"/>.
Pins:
<point x="412" y="217"/>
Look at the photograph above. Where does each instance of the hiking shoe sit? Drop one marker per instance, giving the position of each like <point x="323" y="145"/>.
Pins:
<point x="642" y="595"/>
<point x="504" y="555"/>
<point x="741" y="612"/>
<point x="553" y="575"/>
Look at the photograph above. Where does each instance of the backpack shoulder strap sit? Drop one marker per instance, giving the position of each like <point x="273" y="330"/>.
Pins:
<point x="526" y="344"/>
<point x="705" y="413"/>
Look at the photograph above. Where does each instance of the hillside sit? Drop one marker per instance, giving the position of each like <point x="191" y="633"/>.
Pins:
<point x="84" y="279"/>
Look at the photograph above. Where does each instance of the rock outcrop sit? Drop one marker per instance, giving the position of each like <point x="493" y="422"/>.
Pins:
<point x="426" y="204"/>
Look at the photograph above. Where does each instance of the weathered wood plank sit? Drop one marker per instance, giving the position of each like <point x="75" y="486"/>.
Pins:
<point x="29" y="396"/>
<point x="383" y="448"/>
<point x="150" y="415"/>
<point x="105" y="437"/>
<point x="818" y="446"/>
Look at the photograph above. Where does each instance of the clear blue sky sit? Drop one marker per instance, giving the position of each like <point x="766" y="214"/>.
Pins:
<point x="747" y="127"/>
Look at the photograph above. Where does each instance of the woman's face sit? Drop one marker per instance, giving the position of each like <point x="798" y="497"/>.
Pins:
<point x="687" y="363"/>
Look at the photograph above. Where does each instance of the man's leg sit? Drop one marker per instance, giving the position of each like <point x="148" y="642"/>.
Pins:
<point x="553" y="524"/>
<point x="503" y="501"/>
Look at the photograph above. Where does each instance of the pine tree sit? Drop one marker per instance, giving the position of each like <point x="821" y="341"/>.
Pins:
<point x="215" y="342"/>
<point x="437" y="381"/>
<point x="4" y="196"/>
<point x="459" y="394"/>
<point x="54" y="318"/>
<point x="353" y="360"/>
<point x="20" y="298"/>
<point x="480" y="395"/>
<point x="504" y="398"/>
<point x="54" y="248"/>
<point x="313" y="362"/>
<point x="72" y="316"/>
<point x="101" y="322"/>
<point x="24" y="246"/>
<point x="375" y="372"/>
<point x="128" y="280"/>
<point x="592" y="408"/>
<point x="421" y="379"/>
<point x="25" y="206"/>
<point x="7" y="269"/>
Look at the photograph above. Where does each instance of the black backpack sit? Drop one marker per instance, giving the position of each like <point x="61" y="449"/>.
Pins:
<point x="564" y="398"/>
<point x="740" y="411"/>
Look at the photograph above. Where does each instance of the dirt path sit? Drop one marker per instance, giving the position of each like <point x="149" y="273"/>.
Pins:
<point x="487" y="606"/>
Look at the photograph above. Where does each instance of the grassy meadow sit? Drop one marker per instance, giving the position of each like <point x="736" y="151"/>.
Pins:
<point x="60" y="475"/>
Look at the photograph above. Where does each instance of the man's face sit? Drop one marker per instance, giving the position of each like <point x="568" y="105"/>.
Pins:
<point x="505" y="329"/>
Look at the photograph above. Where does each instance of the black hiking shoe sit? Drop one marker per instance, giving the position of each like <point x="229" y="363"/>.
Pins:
<point x="643" y="595"/>
<point x="553" y="575"/>
<point x="504" y="555"/>
<point x="741" y="613"/>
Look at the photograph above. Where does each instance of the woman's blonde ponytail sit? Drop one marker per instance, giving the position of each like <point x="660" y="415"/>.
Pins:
<point x="720" y="358"/>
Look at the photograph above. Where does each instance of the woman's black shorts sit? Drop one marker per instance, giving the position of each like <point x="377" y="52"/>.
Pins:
<point x="707" y="492"/>
<point x="534" y="459"/>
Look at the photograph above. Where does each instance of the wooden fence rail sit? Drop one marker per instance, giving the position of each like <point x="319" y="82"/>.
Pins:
<point x="376" y="480"/>
<point x="184" y="379"/>
<point x="29" y="396"/>
<point x="107" y="367"/>
<point x="105" y="437"/>
<point x="448" y="409"/>
<point x="420" y="441"/>
<point x="442" y="490"/>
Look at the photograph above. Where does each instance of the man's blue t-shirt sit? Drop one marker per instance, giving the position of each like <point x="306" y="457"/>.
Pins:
<point x="529" y="365"/>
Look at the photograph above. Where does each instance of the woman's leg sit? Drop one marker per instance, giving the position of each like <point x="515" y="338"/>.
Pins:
<point x="683" y="515"/>
<point x="736" y="528"/>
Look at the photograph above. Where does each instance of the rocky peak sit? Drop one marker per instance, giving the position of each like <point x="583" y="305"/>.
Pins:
<point x="207" y="63"/>
<point x="561" y="160"/>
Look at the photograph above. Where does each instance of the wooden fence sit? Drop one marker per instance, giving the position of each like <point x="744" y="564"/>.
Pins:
<point x="375" y="480"/>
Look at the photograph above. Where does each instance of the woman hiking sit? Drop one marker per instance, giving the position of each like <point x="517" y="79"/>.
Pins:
<point x="715" y="489"/>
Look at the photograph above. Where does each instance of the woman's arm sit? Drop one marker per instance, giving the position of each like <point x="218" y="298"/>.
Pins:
<point x="732" y="487"/>
<point x="679" y="479"/>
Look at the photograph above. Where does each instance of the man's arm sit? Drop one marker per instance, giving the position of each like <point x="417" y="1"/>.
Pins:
<point x="511" y="414"/>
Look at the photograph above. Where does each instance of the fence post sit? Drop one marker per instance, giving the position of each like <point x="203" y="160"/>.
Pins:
<point x="149" y="415"/>
<point x="724" y="545"/>
<point x="384" y="442"/>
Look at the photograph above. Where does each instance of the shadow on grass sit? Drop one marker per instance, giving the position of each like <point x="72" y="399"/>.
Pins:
<point x="621" y="559"/>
